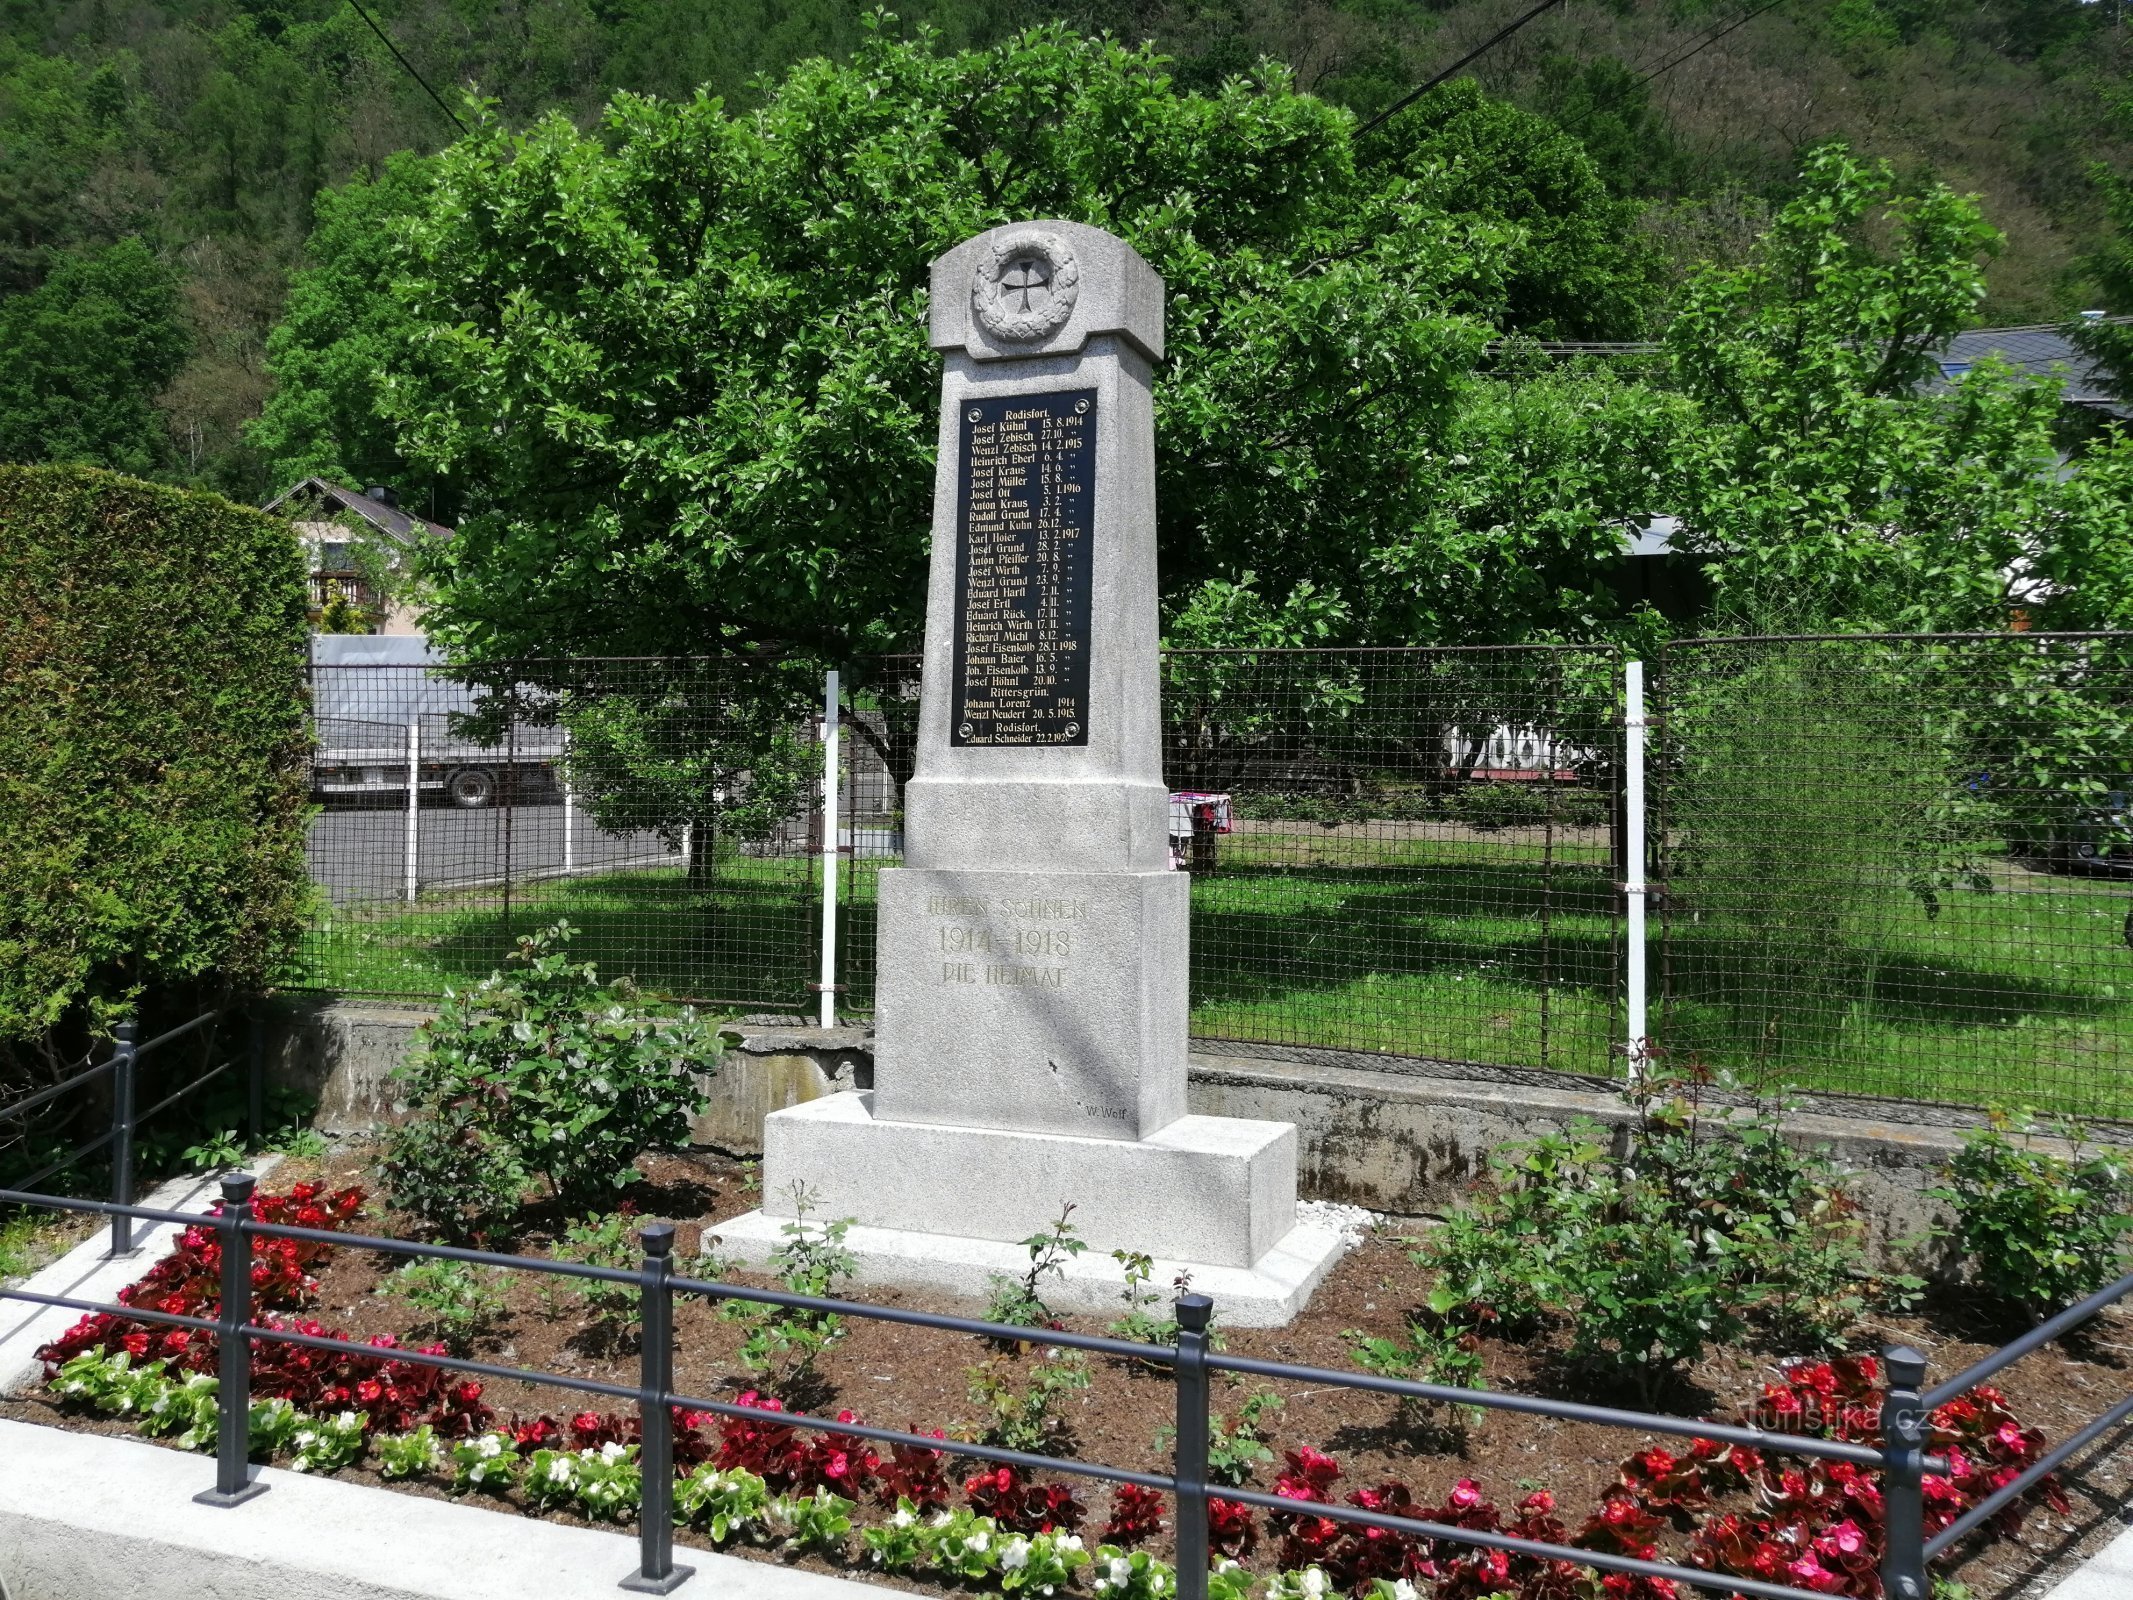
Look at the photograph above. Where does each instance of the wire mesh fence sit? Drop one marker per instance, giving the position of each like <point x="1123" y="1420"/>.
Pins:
<point x="1411" y="851"/>
<point x="1900" y="866"/>
<point x="1884" y="866"/>
<point x="662" y="808"/>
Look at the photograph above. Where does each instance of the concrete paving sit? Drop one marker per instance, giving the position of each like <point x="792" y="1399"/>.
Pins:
<point x="358" y="854"/>
<point x="83" y="1517"/>
<point x="2106" y="1575"/>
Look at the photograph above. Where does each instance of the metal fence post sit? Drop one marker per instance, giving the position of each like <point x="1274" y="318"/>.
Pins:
<point x="1903" y="1432"/>
<point x="255" y="1082"/>
<point x="656" y="1572"/>
<point x="1189" y="1465"/>
<point x="828" y="1013"/>
<point x="233" y="1392"/>
<point x="1634" y="888"/>
<point x="124" y="1058"/>
<point x="414" y="803"/>
<point x="570" y="842"/>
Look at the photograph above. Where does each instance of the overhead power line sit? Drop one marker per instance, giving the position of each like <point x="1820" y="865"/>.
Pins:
<point x="406" y="65"/>
<point x="1475" y="54"/>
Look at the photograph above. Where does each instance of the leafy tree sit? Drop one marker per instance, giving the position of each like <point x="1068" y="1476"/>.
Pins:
<point x="2111" y="266"/>
<point x="1819" y="477"/>
<point x="88" y="350"/>
<point x="1577" y="275"/>
<point x="685" y="356"/>
<point x="698" y="749"/>
<point x="333" y="347"/>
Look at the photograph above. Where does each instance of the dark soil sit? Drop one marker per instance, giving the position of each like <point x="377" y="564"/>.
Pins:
<point x="914" y="1378"/>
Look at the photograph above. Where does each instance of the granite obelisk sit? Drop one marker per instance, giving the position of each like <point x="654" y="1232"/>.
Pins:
<point x="1030" y="1035"/>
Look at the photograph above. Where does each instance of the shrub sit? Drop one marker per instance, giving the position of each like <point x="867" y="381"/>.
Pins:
<point x="152" y="756"/>
<point x="1709" y="1220"/>
<point x="1492" y="803"/>
<point x="1235" y="1449"/>
<point x="610" y="1310"/>
<point x="785" y="1342"/>
<point x="1430" y="1353"/>
<point x="541" y="1071"/>
<point x="2044" y="1229"/>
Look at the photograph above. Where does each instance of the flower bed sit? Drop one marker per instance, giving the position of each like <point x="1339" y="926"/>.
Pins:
<point x="759" y="1484"/>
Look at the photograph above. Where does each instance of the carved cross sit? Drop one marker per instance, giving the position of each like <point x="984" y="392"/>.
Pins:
<point x="1027" y="276"/>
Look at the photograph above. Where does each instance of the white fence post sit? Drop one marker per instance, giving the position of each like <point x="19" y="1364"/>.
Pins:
<point x="1634" y="888"/>
<point x="570" y="859"/>
<point x="830" y="730"/>
<point x="414" y="803"/>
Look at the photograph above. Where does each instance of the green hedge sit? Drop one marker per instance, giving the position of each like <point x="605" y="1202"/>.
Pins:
<point x="152" y="790"/>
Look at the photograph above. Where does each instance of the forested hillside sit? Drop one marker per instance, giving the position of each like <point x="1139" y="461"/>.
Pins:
<point x="205" y="130"/>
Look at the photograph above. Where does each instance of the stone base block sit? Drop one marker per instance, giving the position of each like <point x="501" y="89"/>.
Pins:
<point x="1053" y="1001"/>
<point x="1267" y="1295"/>
<point x="1217" y="1190"/>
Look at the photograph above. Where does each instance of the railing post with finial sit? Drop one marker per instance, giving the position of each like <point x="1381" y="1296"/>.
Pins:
<point x="656" y="1572"/>
<point x="1903" y="1448"/>
<point x="1194" y="1311"/>
<point x="233" y="1390"/>
<point x="124" y="1055"/>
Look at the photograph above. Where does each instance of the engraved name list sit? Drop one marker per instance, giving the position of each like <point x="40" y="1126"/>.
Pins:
<point x="1024" y="557"/>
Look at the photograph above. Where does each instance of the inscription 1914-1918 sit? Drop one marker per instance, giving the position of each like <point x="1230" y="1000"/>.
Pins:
<point x="1024" y="555"/>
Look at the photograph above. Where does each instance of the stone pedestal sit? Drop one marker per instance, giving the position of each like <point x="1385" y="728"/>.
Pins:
<point x="1030" y="1024"/>
<point x="1052" y="1002"/>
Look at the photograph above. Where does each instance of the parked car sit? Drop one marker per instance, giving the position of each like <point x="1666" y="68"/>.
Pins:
<point x="2099" y="840"/>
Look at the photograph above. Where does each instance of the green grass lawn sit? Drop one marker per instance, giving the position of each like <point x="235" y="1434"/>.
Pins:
<point x="1379" y="939"/>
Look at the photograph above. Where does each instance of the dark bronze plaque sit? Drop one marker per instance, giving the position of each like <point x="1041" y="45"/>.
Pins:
<point x="1025" y="521"/>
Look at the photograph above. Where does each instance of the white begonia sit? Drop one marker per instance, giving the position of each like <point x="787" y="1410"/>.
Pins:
<point x="1067" y="1541"/>
<point x="1014" y="1555"/>
<point x="491" y="1446"/>
<point x="559" y="1470"/>
<point x="613" y="1450"/>
<point x="1121" y="1571"/>
<point x="1314" y="1583"/>
<point x="1402" y="1590"/>
<point x="903" y="1518"/>
<point x="942" y="1519"/>
<point x="980" y="1542"/>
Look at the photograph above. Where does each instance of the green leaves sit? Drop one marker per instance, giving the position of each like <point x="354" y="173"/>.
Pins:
<point x="2044" y="1226"/>
<point x="89" y="349"/>
<point x="541" y="1071"/>
<point x="684" y="356"/>
<point x="152" y="754"/>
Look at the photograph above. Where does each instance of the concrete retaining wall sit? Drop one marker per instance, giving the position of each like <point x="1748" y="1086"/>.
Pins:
<point x="1390" y="1133"/>
<point x="343" y="1054"/>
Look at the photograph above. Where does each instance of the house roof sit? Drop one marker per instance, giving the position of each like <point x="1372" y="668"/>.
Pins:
<point x="388" y="520"/>
<point x="2040" y="350"/>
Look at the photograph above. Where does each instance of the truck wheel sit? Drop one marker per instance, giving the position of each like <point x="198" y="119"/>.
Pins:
<point x="471" y="788"/>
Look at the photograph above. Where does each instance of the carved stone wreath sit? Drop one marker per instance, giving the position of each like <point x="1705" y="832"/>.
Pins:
<point x="1024" y="287"/>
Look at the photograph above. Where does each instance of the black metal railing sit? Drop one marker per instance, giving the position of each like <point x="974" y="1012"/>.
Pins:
<point x="1901" y="1456"/>
<point x="122" y="1065"/>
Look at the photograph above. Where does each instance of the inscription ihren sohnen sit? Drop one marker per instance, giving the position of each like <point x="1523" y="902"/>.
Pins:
<point x="974" y="951"/>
